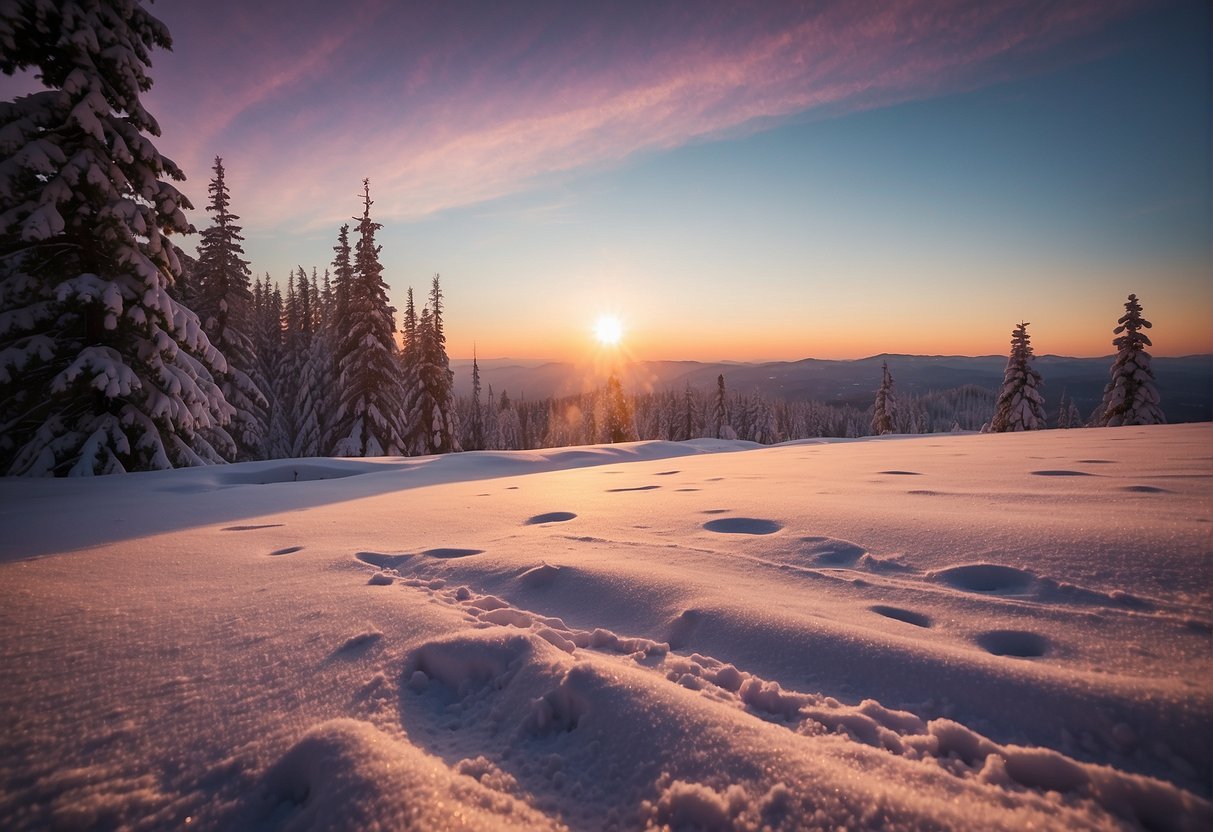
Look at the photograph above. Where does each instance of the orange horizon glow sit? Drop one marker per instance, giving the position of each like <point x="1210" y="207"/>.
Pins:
<point x="1048" y="338"/>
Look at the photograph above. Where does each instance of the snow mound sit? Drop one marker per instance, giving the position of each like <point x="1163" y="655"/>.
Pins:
<point x="347" y="774"/>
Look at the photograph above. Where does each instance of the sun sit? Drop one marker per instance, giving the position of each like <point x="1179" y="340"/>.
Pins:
<point x="608" y="329"/>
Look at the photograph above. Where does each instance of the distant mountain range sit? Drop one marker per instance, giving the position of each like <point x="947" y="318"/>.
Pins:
<point x="1185" y="384"/>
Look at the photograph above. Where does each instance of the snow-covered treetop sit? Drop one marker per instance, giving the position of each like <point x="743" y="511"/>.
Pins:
<point x="1131" y="324"/>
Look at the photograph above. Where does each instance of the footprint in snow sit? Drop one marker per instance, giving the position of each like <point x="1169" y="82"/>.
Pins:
<point x="901" y="473"/>
<point x="550" y="517"/>
<point x="289" y="550"/>
<point x="666" y="473"/>
<point x="829" y="551"/>
<point x="448" y="552"/>
<point x="1061" y="473"/>
<point x="899" y="614"/>
<point x="1146" y="489"/>
<point x="383" y="561"/>
<point x="1019" y="644"/>
<point x="742" y="525"/>
<point x="636" y="488"/>
<point x="987" y="577"/>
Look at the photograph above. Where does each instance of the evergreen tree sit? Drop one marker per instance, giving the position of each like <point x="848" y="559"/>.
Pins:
<point x="883" y="412"/>
<point x="720" y="412"/>
<point x="335" y="425"/>
<point x="101" y="369"/>
<point x="619" y="423"/>
<point x="1131" y="397"/>
<point x="1020" y="405"/>
<point x="311" y="360"/>
<point x="431" y="399"/>
<point x="475" y="430"/>
<point x="371" y="400"/>
<point x="690" y="426"/>
<point x="225" y="306"/>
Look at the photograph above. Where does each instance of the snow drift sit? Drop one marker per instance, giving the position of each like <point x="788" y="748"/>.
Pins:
<point x="944" y="632"/>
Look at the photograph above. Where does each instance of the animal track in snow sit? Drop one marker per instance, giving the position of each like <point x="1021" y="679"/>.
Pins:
<point x="902" y="473"/>
<point x="666" y="473"/>
<point x="635" y="488"/>
<point x="1061" y="473"/>
<point x="742" y="525"/>
<point x="550" y="517"/>
<point x="898" y="614"/>
<point x="1146" y="489"/>
<point x="1017" y="643"/>
<point x="289" y="550"/>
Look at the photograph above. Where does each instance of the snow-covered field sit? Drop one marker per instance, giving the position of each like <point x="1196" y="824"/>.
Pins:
<point x="946" y="631"/>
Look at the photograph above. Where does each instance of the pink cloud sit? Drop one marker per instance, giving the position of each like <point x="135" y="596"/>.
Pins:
<point x="443" y="112"/>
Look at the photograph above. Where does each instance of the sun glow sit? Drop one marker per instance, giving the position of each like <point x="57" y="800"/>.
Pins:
<point x="608" y="329"/>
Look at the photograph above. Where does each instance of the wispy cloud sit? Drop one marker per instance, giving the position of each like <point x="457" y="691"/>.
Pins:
<point x="450" y="106"/>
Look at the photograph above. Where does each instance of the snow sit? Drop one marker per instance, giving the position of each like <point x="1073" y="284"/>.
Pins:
<point x="947" y="631"/>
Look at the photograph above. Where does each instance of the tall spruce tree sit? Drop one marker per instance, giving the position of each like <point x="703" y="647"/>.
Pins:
<point x="430" y="400"/>
<point x="620" y="422"/>
<point x="884" y="410"/>
<point x="1131" y="396"/>
<point x="101" y="369"/>
<point x="475" y="431"/>
<point x="720" y="412"/>
<point x="225" y="305"/>
<point x="371" y="400"/>
<point x="1020" y="405"/>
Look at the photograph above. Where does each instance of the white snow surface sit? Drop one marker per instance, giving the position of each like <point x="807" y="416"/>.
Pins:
<point x="962" y="631"/>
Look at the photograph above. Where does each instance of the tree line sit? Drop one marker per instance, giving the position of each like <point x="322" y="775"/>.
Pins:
<point x="118" y="352"/>
<point x="1130" y="396"/>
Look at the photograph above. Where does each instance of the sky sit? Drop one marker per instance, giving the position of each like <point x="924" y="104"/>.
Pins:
<point x="734" y="181"/>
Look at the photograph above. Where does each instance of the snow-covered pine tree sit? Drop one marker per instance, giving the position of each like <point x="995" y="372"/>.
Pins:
<point x="720" y="412"/>
<point x="1020" y="405"/>
<point x="620" y="423"/>
<point x="312" y="395"/>
<point x="101" y="370"/>
<point x="1131" y="396"/>
<point x="689" y="422"/>
<point x="884" y="410"/>
<point x="432" y="424"/>
<point x="306" y="370"/>
<point x="372" y="401"/>
<point x="440" y="381"/>
<point x="225" y="305"/>
<point x="475" y="428"/>
<point x="186" y="287"/>
<point x="410" y="377"/>
<point x="507" y="427"/>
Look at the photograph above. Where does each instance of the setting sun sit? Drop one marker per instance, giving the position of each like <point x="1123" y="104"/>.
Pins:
<point x="608" y="329"/>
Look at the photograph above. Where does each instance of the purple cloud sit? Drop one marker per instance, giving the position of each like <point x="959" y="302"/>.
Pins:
<point x="446" y="105"/>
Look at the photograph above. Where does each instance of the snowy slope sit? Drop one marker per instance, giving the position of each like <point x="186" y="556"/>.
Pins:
<point x="945" y="631"/>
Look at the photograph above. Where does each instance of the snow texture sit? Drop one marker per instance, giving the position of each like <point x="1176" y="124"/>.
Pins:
<point x="884" y="633"/>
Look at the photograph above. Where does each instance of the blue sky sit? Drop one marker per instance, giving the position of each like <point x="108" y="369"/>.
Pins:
<point x="735" y="181"/>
